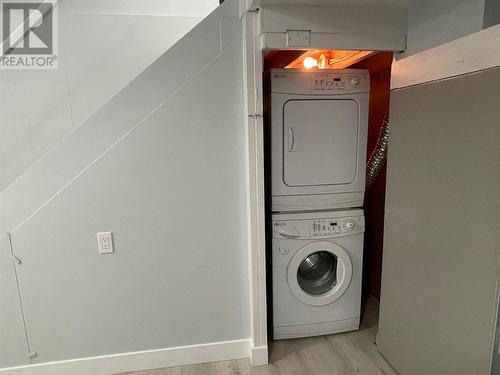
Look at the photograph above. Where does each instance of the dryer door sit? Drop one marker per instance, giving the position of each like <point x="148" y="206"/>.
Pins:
<point x="319" y="273"/>
<point x="320" y="142"/>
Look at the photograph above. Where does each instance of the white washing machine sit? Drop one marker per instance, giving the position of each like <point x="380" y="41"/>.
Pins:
<point x="319" y="125"/>
<point x="317" y="271"/>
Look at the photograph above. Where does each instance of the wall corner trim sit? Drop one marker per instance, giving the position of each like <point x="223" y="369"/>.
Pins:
<point x="259" y="356"/>
<point x="137" y="361"/>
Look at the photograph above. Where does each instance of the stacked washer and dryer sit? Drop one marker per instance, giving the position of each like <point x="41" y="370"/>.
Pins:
<point x="319" y="124"/>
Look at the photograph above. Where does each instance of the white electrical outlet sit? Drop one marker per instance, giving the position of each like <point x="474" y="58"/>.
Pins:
<point x="105" y="242"/>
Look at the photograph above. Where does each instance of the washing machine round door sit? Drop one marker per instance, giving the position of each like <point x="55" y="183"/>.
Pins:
<point x="319" y="273"/>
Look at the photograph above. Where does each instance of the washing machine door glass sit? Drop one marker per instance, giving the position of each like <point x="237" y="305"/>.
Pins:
<point x="317" y="274"/>
<point x="320" y="273"/>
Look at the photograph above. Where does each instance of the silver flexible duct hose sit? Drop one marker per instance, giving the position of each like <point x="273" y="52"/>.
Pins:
<point x="379" y="155"/>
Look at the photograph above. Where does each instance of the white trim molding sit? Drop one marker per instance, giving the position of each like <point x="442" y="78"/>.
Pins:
<point x="137" y="361"/>
<point x="259" y="356"/>
<point x="254" y="151"/>
<point x="469" y="54"/>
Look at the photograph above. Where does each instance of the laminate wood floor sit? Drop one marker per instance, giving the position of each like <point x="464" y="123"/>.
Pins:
<point x="341" y="354"/>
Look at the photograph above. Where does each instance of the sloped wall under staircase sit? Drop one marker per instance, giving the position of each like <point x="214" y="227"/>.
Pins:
<point x="103" y="45"/>
<point x="161" y="165"/>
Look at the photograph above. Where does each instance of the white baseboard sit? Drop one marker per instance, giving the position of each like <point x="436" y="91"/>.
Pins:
<point x="259" y="356"/>
<point x="136" y="361"/>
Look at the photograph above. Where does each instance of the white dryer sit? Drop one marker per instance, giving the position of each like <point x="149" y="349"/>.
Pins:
<point x="319" y="124"/>
<point x="317" y="261"/>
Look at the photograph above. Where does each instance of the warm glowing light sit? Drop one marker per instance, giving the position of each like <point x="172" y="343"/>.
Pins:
<point x="322" y="64"/>
<point x="310" y="62"/>
<point x="328" y="59"/>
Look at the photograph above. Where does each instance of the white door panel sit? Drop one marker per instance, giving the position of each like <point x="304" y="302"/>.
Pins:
<point x="288" y="309"/>
<point x="440" y="271"/>
<point x="321" y="147"/>
<point x="318" y="164"/>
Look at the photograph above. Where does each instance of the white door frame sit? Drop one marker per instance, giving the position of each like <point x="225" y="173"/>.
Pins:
<point x="254" y="154"/>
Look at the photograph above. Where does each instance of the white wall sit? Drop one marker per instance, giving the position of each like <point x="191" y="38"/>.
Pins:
<point x="162" y="166"/>
<point x="363" y="28"/>
<point x="103" y="45"/>
<point x="432" y="22"/>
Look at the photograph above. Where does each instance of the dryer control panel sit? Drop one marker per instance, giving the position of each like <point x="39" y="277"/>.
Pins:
<point x="337" y="82"/>
<point x="320" y="82"/>
<point x="316" y="228"/>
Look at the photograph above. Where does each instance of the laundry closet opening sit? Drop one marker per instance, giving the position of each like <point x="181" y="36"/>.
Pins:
<point x="324" y="224"/>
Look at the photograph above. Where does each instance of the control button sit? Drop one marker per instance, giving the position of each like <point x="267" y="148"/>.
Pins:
<point x="354" y="81"/>
<point x="349" y="224"/>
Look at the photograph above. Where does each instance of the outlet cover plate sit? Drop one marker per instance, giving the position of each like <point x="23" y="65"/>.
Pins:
<point x="105" y="242"/>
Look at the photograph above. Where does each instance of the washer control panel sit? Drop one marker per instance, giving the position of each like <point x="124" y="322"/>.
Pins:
<point x="318" y="227"/>
<point x="324" y="228"/>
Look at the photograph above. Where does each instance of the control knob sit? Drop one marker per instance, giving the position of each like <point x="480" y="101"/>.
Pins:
<point x="349" y="224"/>
<point x="355" y="81"/>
